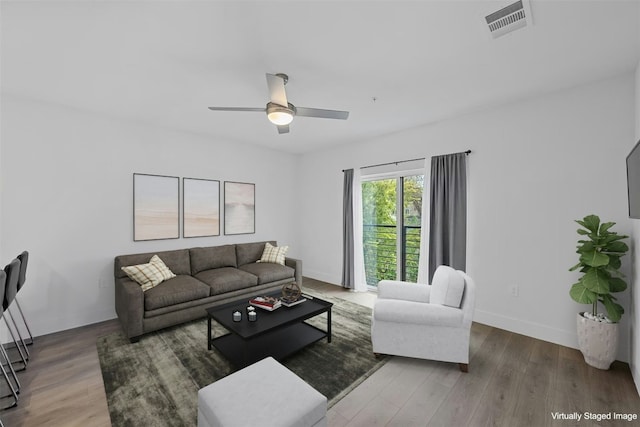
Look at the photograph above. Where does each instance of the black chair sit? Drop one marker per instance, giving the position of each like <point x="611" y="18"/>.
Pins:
<point x="11" y="289"/>
<point x="24" y="260"/>
<point x="14" y="390"/>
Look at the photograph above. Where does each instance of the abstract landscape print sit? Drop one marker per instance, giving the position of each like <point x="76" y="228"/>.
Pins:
<point x="156" y="213"/>
<point x="201" y="207"/>
<point x="239" y="208"/>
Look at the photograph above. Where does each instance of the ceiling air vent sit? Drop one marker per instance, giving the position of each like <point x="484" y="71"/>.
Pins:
<point x="510" y="18"/>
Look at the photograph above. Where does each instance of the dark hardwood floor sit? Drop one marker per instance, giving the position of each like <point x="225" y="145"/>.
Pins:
<point x="513" y="381"/>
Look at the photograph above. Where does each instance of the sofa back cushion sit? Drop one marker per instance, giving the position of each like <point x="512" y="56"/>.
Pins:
<point x="246" y="253"/>
<point x="177" y="261"/>
<point x="212" y="257"/>
<point x="447" y="287"/>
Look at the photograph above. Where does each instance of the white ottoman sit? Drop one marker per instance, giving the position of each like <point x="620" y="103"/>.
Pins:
<point x="265" y="394"/>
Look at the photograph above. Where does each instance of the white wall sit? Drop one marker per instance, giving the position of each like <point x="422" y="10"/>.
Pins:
<point x="635" y="253"/>
<point x="67" y="198"/>
<point x="535" y="167"/>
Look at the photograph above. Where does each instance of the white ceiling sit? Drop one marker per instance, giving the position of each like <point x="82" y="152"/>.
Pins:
<point x="162" y="63"/>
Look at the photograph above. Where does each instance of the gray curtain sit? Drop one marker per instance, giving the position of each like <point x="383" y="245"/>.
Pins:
<point x="348" y="280"/>
<point x="448" y="212"/>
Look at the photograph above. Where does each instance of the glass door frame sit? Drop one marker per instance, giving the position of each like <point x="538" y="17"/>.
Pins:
<point x="399" y="176"/>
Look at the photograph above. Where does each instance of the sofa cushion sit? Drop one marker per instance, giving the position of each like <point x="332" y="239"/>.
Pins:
<point x="177" y="261"/>
<point x="273" y="254"/>
<point x="247" y="253"/>
<point x="212" y="257"/>
<point x="226" y="279"/>
<point x="447" y="287"/>
<point x="175" y="291"/>
<point x="269" y="272"/>
<point x="150" y="274"/>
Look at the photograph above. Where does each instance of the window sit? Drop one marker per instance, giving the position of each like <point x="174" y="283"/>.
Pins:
<point x="391" y="218"/>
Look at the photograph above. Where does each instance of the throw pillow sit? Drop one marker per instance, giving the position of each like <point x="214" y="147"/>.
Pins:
<point x="447" y="287"/>
<point x="274" y="254"/>
<point x="149" y="275"/>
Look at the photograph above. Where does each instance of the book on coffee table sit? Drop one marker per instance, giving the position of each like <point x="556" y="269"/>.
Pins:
<point x="297" y="301"/>
<point x="266" y="303"/>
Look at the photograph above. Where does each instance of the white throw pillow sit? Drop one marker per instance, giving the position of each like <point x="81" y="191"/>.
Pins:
<point x="149" y="275"/>
<point x="274" y="254"/>
<point x="447" y="287"/>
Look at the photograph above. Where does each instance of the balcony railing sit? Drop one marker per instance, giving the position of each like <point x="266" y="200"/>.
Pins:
<point x="381" y="254"/>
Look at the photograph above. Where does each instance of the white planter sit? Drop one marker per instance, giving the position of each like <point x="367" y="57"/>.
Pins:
<point x="598" y="342"/>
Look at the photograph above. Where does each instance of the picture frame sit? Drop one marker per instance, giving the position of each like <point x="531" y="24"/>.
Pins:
<point x="156" y="207"/>
<point x="200" y="207"/>
<point x="239" y="208"/>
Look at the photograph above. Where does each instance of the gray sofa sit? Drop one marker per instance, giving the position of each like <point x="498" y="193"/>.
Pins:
<point x="205" y="277"/>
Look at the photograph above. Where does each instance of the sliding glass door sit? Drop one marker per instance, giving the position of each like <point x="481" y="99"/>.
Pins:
<point x="391" y="217"/>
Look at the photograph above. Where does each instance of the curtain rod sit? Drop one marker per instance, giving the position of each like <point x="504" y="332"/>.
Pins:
<point x="401" y="161"/>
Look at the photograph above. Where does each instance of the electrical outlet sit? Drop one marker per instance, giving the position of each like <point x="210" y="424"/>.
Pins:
<point x="514" y="291"/>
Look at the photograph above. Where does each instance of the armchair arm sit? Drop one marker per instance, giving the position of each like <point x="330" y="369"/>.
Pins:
<point x="418" y="313"/>
<point x="393" y="289"/>
<point x="296" y="264"/>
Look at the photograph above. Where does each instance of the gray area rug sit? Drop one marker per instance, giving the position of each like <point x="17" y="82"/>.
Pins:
<point x="155" y="381"/>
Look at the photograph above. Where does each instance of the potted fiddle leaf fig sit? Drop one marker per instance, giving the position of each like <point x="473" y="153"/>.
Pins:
<point x="600" y="250"/>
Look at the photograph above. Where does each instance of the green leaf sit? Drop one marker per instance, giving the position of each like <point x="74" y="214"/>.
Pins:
<point x="614" y="310"/>
<point x="617" y="247"/>
<point x="582" y="231"/>
<point x="575" y="266"/>
<point x="581" y="294"/>
<point x="614" y="262"/>
<point x="612" y="238"/>
<point x="594" y="258"/>
<point x="606" y="226"/>
<point x="591" y="223"/>
<point x="586" y="246"/>
<point x="596" y="280"/>
<point x="616" y="284"/>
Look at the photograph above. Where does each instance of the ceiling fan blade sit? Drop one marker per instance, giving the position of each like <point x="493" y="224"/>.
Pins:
<point x="277" y="93"/>
<point x="237" y="109"/>
<point x="283" y="129"/>
<point x="323" y="114"/>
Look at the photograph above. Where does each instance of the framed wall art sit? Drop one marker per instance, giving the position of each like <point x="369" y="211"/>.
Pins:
<point x="200" y="207"/>
<point x="156" y="207"/>
<point x="239" y="208"/>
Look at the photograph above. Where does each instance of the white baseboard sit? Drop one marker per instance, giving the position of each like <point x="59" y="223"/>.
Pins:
<point x="530" y="329"/>
<point x="318" y="275"/>
<point x="635" y="373"/>
<point x="70" y="321"/>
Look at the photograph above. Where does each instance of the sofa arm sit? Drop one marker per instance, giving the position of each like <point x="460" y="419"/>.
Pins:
<point x="296" y="264"/>
<point x="130" y="306"/>
<point x="394" y="289"/>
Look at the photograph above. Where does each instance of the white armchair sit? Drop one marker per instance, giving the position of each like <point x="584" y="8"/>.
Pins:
<point x="425" y="321"/>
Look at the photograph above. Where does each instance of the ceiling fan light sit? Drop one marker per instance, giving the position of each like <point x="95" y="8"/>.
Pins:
<point x="279" y="115"/>
<point x="280" y="118"/>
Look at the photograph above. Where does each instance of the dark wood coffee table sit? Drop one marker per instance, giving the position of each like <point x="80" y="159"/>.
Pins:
<point x="277" y="333"/>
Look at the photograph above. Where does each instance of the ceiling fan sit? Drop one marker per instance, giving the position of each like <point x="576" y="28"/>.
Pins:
<point x="280" y="111"/>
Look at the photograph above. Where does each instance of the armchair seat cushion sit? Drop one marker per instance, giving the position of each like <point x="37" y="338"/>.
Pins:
<point x="391" y="310"/>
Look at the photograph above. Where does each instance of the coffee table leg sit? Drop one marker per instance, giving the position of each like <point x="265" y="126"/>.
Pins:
<point x="329" y="325"/>
<point x="209" y="333"/>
